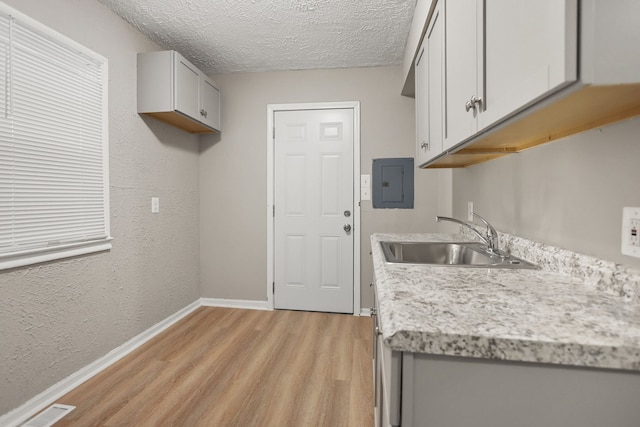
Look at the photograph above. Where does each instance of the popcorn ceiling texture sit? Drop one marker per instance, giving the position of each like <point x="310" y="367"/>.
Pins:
<point x="226" y="36"/>
<point x="58" y="317"/>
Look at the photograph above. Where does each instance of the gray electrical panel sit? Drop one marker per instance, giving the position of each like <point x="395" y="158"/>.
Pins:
<point x="392" y="183"/>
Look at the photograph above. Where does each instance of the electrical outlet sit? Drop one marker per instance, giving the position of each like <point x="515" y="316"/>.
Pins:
<point x="155" y="204"/>
<point x="469" y="211"/>
<point x="631" y="232"/>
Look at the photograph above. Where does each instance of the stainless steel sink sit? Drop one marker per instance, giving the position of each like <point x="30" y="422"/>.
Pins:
<point x="458" y="254"/>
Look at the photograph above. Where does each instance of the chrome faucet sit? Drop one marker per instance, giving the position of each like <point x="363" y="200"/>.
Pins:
<point x="490" y="238"/>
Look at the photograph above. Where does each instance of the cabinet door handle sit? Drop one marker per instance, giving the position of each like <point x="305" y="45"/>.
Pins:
<point x="425" y="146"/>
<point x="468" y="106"/>
<point x="476" y="101"/>
<point x="473" y="103"/>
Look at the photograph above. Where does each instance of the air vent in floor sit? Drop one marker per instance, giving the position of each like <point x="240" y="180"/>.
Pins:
<point x="49" y="416"/>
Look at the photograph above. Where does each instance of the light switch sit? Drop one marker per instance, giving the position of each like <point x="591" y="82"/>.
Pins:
<point x="155" y="204"/>
<point x="365" y="193"/>
<point x="365" y="187"/>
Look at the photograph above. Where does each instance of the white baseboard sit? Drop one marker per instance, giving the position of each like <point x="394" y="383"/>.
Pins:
<point x="365" y="312"/>
<point x="22" y="413"/>
<point x="235" y="303"/>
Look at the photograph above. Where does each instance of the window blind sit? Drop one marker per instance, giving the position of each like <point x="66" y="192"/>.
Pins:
<point x="53" y="145"/>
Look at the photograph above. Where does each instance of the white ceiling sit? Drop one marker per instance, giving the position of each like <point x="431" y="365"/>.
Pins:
<point x="225" y="36"/>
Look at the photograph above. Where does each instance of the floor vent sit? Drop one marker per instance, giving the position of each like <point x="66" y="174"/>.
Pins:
<point x="49" y="416"/>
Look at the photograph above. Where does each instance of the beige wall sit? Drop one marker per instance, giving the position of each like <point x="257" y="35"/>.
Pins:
<point x="233" y="169"/>
<point x="569" y="193"/>
<point x="56" y="318"/>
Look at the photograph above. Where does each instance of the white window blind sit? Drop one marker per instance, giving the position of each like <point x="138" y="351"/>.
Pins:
<point x="53" y="145"/>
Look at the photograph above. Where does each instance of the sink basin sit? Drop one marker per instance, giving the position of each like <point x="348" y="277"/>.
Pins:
<point x="458" y="254"/>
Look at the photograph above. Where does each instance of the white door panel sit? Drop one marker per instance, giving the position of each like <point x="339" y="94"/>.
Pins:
<point x="313" y="189"/>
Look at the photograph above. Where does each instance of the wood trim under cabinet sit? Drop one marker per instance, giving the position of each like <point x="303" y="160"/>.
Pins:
<point x="176" y="119"/>
<point x="587" y="108"/>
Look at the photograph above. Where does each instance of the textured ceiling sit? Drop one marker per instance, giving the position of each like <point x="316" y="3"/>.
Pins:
<point x="224" y="36"/>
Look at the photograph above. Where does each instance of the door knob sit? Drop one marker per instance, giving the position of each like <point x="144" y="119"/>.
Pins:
<point x="347" y="228"/>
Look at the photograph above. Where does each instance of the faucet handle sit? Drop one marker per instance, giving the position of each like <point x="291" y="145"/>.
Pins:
<point x="492" y="234"/>
<point x="484" y="221"/>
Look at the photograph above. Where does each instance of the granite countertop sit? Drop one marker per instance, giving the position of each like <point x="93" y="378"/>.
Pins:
<point x="552" y="315"/>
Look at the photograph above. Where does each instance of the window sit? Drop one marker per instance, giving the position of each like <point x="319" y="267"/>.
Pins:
<point x="54" y="194"/>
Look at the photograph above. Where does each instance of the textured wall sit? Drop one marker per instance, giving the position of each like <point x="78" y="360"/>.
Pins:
<point x="233" y="170"/>
<point x="569" y="193"/>
<point x="57" y="317"/>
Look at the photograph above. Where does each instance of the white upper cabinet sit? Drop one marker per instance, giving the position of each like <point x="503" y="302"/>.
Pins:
<point x="173" y="90"/>
<point x="464" y="88"/>
<point x="423" y="148"/>
<point x="429" y="86"/>
<point x="519" y="73"/>
<point x="210" y="103"/>
<point x="502" y="55"/>
<point x="186" y="87"/>
<point x="530" y="51"/>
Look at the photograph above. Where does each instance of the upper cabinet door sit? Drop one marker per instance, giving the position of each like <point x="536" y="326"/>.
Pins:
<point x="209" y="103"/>
<point x="435" y="81"/>
<point x="429" y="73"/>
<point x="530" y="52"/>
<point x="187" y="87"/>
<point x="463" y="18"/>
<point x="423" y="149"/>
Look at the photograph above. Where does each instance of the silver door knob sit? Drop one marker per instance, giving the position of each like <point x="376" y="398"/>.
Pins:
<point x="347" y="228"/>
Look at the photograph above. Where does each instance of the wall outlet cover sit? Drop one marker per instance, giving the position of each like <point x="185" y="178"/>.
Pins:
<point x="631" y="232"/>
<point x="365" y="187"/>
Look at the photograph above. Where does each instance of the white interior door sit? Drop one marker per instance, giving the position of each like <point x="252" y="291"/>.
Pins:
<point x="314" y="203"/>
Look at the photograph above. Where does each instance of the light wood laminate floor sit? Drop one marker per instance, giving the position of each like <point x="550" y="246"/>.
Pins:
<point x="231" y="367"/>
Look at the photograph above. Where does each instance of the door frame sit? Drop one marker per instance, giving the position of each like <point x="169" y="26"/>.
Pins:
<point x="271" y="110"/>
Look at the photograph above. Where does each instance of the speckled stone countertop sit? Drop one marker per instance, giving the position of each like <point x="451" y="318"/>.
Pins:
<point x="573" y="311"/>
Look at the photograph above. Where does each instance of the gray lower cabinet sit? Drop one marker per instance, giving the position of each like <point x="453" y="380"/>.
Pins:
<point x="456" y="392"/>
<point x="422" y="390"/>
<point x="387" y="378"/>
